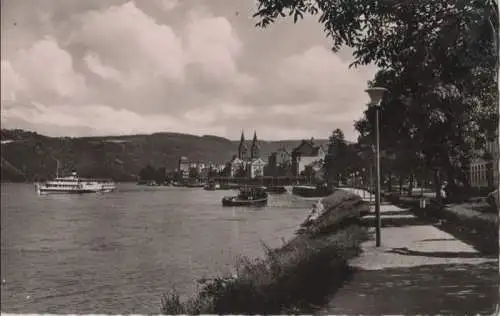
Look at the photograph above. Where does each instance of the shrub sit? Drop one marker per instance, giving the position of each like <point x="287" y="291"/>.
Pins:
<point x="295" y="278"/>
<point x="493" y="200"/>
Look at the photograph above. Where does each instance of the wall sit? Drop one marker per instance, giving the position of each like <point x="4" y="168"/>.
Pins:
<point x="305" y="161"/>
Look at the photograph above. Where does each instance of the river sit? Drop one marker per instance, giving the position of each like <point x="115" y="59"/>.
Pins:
<point x="119" y="252"/>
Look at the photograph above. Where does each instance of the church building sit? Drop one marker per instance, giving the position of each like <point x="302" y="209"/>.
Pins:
<point x="248" y="159"/>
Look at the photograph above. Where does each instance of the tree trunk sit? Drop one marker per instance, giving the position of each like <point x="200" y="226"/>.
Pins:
<point x="401" y="180"/>
<point x="422" y="183"/>
<point x="437" y="185"/>
<point x="410" y="186"/>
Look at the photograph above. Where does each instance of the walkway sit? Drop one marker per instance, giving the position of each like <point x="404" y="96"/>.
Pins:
<point x="418" y="269"/>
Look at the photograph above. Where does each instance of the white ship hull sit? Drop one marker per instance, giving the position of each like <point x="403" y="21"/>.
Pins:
<point x="45" y="190"/>
<point x="75" y="185"/>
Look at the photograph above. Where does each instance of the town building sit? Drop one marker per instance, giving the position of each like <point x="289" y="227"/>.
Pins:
<point x="220" y="168"/>
<point x="483" y="171"/>
<point x="238" y="167"/>
<point x="256" y="163"/>
<point x="248" y="162"/>
<point x="257" y="168"/>
<point x="279" y="163"/>
<point x="184" y="167"/>
<point x="283" y="157"/>
<point x="205" y="171"/>
<point x="307" y="154"/>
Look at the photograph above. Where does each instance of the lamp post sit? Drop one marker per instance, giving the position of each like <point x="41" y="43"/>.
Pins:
<point x="376" y="94"/>
<point x="363" y="181"/>
<point x="356" y="180"/>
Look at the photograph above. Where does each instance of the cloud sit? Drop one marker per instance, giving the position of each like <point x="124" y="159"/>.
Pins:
<point x="101" y="119"/>
<point x="42" y="71"/>
<point x="94" y="64"/>
<point x="11" y="82"/>
<point x="219" y="111"/>
<point x="318" y="74"/>
<point x="168" y="5"/>
<point x="126" y="38"/>
<point x="167" y="65"/>
<point x="212" y="43"/>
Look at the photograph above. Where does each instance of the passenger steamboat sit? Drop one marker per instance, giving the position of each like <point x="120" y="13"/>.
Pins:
<point x="75" y="185"/>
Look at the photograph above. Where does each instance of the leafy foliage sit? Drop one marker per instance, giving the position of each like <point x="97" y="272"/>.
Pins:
<point x="341" y="158"/>
<point x="439" y="60"/>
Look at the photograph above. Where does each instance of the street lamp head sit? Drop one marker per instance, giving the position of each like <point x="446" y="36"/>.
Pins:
<point x="376" y="94"/>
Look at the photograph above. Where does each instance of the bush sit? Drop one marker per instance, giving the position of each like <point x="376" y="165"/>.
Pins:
<point x="295" y="278"/>
<point x="493" y="199"/>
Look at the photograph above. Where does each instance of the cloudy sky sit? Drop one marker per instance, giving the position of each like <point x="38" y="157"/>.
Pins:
<point x="107" y="67"/>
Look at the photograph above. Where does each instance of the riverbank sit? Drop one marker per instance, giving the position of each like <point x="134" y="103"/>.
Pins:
<point x="298" y="277"/>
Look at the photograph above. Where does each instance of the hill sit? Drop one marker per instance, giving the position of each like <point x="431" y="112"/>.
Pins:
<point x="28" y="156"/>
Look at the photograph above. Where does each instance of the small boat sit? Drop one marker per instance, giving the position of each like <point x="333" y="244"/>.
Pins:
<point x="311" y="191"/>
<point x="231" y="186"/>
<point x="248" y="196"/>
<point x="276" y="189"/>
<point x="75" y="185"/>
<point x="194" y="185"/>
<point x="212" y="186"/>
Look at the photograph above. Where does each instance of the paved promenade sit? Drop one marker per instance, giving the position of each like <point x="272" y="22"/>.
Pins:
<point x="419" y="269"/>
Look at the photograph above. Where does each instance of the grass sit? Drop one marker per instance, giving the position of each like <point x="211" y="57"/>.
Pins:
<point x="296" y="278"/>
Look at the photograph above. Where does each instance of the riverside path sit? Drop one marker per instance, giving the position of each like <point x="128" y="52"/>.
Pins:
<point x="419" y="269"/>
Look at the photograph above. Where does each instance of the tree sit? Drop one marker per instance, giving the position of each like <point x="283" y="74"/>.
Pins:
<point x="241" y="172"/>
<point x="160" y="175"/>
<point x="193" y="173"/>
<point x="147" y="173"/>
<point x="226" y="172"/>
<point x="212" y="173"/>
<point x="337" y="165"/>
<point x="285" y="169"/>
<point x="391" y="33"/>
<point x="439" y="61"/>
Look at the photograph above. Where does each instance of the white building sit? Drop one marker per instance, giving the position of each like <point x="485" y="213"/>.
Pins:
<point x="257" y="168"/>
<point x="307" y="154"/>
<point x="236" y="165"/>
<point x="483" y="172"/>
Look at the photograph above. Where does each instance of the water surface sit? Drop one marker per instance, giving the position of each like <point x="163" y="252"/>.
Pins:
<point x="118" y="252"/>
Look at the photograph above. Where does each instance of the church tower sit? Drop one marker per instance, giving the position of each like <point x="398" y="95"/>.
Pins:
<point x="255" y="150"/>
<point x="242" y="148"/>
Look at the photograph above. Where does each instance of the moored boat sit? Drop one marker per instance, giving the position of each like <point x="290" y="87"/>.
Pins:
<point x="249" y="196"/>
<point x="75" y="185"/>
<point x="312" y="191"/>
<point x="276" y="189"/>
<point x="194" y="185"/>
<point x="212" y="186"/>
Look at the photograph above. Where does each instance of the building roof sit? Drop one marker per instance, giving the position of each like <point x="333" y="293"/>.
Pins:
<point x="258" y="159"/>
<point x="307" y="148"/>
